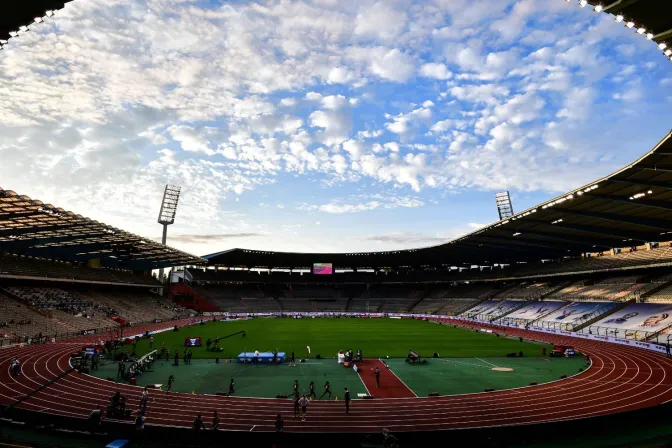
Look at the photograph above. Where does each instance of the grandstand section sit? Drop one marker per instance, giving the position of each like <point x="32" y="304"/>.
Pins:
<point x="639" y="321"/>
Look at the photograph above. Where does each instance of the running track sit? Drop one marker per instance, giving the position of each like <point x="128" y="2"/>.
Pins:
<point x="621" y="378"/>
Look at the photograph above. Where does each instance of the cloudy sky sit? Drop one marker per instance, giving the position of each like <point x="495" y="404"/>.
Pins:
<point x="322" y="125"/>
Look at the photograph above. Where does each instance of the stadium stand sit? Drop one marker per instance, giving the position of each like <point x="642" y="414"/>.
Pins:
<point x="14" y="266"/>
<point x="639" y="321"/>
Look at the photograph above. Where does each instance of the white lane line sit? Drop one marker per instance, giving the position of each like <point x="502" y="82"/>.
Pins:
<point x="395" y="375"/>
<point x="486" y="362"/>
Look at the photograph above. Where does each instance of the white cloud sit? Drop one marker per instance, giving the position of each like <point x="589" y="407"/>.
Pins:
<point x="378" y="202"/>
<point x="393" y="65"/>
<point x="380" y="21"/>
<point x="115" y="99"/>
<point x="436" y="71"/>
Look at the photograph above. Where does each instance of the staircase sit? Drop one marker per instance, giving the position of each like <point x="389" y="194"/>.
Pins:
<point x="347" y="305"/>
<point x="554" y="290"/>
<point x="281" y="305"/>
<point x="596" y="316"/>
<point x="532" y="322"/>
<point x="523" y="304"/>
<point x="419" y="299"/>
<point x="645" y="292"/>
<point x="655" y="335"/>
<point x="465" y="308"/>
<point x="197" y="302"/>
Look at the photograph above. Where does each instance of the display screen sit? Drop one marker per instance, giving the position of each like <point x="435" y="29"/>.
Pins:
<point x="323" y="268"/>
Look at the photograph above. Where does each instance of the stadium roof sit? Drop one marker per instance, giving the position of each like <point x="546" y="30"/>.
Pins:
<point x="32" y="228"/>
<point x="654" y="16"/>
<point x="630" y="207"/>
<point x="15" y="14"/>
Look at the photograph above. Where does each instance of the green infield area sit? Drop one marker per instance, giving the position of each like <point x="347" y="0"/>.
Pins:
<point x="451" y="376"/>
<point x="377" y="338"/>
<point x="204" y="376"/>
<point x="470" y="361"/>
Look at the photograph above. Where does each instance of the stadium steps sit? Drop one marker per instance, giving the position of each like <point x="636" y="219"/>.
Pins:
<point x="280" y="304"/>
<point x="655" y="335"/>
<point x="645" y="295"/>
<point x="420" y="298"/>
<point x="560" y="287"/>
<point x="467" y="307"/>
<point x="523" y="304"/>
<point x="543" y="316"/>
<point x="601" y="316"/>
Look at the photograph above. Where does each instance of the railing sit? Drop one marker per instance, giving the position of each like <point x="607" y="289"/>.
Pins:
<point x="636" y="335"/>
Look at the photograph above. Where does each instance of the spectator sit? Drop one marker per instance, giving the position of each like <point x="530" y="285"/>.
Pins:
<point x="198" y="423"/>
<point x="140" y="422"/>
<point x="279" y="423"/>
<point x="95" y="418"/>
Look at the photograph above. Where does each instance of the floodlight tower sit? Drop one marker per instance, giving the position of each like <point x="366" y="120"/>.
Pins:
<point x="171" y="196"/>
<point x="504" y="205"/>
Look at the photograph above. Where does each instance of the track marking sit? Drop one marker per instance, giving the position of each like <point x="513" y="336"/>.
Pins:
<point x="486" y="362"/>
<point x="395" y="375"/>
<point x="363" y="384"/>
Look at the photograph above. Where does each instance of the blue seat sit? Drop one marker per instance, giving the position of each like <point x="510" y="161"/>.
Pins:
<point x="117" y="444"/>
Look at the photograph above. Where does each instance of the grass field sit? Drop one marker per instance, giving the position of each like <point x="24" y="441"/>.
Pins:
<point x="375" y="337"/>
<point x="465" y="366"/>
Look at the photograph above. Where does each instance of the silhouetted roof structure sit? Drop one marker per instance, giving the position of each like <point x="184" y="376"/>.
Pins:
<point x="33" y="228"/>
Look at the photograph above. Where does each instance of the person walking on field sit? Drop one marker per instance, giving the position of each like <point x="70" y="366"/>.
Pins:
<point x="346" y="398"/>
<point x="377" y="372"/>
<point x="303" y="402"/>
<point x="215" y="421"/>
<point x="296" y="404"/>
<point x="327" y="390"/>
<point x="170" y="383"/>
<point x="292" y="360"/>
<point x="231" y="390"/>
<point x="312" y="395"/>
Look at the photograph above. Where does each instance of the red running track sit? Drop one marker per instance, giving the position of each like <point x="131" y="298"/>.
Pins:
<point x="390" y="384"/>
<point x="620" y="379"/>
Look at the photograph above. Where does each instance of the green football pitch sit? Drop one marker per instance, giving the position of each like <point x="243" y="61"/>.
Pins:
<point x="377" y="338"/>
<point x="466" y="362"/>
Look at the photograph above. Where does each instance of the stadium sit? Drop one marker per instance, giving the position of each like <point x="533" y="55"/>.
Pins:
<point x="540" y="329"/>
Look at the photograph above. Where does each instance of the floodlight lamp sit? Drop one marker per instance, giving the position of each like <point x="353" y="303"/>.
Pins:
<point x="649" y="36"/>
<point x="13" y="33"/>
<point x="661" y="46"/>
<point x="668" y="52"/>
<point x="171" y="196"/>
<point x="641" y="30"/>
<point x="3" y="41"/>
<point x="598" y="8"/>
<point x="630" y="24"/>
<point x="583" y="3"/>
<point x="38" y="20"/>
<point x="619" y="18"/>
<point x="50" y="13"/>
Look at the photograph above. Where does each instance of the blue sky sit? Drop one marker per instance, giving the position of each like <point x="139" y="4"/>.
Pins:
<point x="322" y="125"/>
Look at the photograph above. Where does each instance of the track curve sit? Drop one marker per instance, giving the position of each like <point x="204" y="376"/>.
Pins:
<point x="620" y="379"/>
